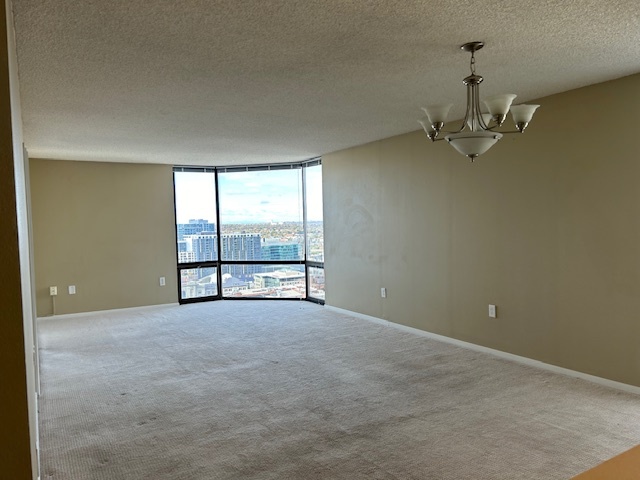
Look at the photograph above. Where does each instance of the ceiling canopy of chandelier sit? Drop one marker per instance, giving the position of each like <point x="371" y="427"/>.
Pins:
<point x="477" y="133"/>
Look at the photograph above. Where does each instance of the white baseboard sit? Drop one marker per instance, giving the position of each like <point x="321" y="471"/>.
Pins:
<point x="102" y="312"/>
<point x="497" y="353"/>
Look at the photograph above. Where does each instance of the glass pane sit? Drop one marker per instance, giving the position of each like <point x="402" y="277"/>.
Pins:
<point x="195" y="216"/>
<point x="198" y="282"/>
<point x="263" y="281"/>
<point x="316" y="282"/>
<point x="261" y="215"/>
<point x="315" y="232"/>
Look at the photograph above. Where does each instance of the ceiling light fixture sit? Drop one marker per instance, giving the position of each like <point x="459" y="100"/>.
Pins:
<point x="476" y="134"/>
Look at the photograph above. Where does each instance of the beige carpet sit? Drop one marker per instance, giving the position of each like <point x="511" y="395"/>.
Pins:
<point x="289" y="390"/>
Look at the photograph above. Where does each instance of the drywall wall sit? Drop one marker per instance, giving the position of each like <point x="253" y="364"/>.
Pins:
<point x="18" y="434"/>
<point x="106" y="228"/>
<point x="546" y="225"/>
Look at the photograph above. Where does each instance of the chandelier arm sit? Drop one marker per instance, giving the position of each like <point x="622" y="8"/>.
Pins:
<point x="504" y="133"/>
<point x="481" y="121"/>
<point x="493" y="129"/>
<point x="431" y="135"/>
<point x="466" y="115"/>
<point x="490" y="129"/>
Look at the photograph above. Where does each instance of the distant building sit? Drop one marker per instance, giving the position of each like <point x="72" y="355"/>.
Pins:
<point x="316" y="282"/>
<point x="186" y="257"/>
<point x="241" y="246"/>
<point x="193" y="287"/>
<point x="238" y="247"/>
<point x="194" y="227"/>
<point x="203" y="246"/>
<point x="232" y="286"/>
<point x="277" y="250"/>
<point x="280" y="278"/>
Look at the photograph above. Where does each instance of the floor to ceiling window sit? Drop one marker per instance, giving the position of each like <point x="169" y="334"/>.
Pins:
<point x="250" y="232"/>
<point x="314" y="230"/>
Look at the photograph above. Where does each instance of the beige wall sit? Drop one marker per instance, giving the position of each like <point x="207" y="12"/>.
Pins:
<point x="546" y="225"/>
<point x="108" y="229"/>
<point x="18" y="430"/>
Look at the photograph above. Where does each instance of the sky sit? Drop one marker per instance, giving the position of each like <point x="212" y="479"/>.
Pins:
<point x="249" y="197"/>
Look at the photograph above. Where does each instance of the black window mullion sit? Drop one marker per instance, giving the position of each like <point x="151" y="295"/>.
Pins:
<point x="219" y="234"/>
<point x="304" y="230"/>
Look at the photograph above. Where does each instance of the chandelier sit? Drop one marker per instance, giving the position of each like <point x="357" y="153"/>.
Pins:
<point x="477" y="133"/>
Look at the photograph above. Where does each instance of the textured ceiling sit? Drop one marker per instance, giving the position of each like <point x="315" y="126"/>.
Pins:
<point x="220" y="82"/>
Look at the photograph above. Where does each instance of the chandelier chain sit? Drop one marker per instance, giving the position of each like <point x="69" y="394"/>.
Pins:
<point x="472" y="64"/>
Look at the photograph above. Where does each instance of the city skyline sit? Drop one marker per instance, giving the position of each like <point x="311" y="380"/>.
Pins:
<point x="271" y="236"/>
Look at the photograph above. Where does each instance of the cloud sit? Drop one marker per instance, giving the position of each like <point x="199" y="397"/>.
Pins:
<point x="245" y="197"/>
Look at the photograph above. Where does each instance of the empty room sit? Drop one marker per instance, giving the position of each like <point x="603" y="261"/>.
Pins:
<point x="320" y="240"/>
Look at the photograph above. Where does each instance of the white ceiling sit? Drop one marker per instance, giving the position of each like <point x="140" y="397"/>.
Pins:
<point x="220" y="82"/>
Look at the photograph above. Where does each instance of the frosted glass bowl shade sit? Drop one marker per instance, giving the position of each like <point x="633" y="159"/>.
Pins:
<point x="473" y="144"/>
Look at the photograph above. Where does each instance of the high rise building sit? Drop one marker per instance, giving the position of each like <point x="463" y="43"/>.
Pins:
<point x="276" y="250"/>
<point x="241" y="246"/>
<point x="194" y="227"/>
<point x="203" y="246"/>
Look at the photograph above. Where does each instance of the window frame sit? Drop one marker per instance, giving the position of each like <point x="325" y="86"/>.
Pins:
<point x="220" y="263"/>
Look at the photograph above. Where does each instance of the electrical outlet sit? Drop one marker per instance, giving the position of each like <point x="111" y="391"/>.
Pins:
<point x="162" y="281"/>
<point x="383" y="292"/>
<point x="53" y="291"/>
<point x="493" y="313"/>
<point x="72" y="289"/>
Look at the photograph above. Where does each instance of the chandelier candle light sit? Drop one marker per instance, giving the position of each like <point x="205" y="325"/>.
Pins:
<point x="476" y="134"/>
